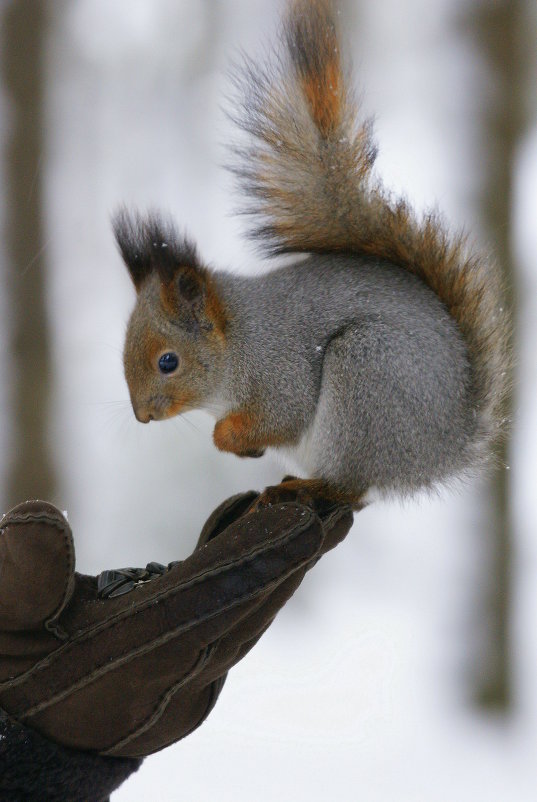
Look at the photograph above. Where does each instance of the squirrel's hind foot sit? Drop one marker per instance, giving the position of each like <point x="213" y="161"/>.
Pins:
<point x="315" y="493"/>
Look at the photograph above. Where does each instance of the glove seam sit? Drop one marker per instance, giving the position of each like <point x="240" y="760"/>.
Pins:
<point x="214" y="692"/>
<point x="162" y="704"/>
<point x="39" y="517"/>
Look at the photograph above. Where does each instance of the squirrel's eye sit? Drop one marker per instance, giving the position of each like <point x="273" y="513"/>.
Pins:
<point x="168" y="362"/>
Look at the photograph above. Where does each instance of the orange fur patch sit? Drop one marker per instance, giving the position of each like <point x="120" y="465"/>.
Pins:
<point x="323" y="93"/>
<point x="235" y="433"/>
<point x="240" y="432"/>
<point x="215" y="310"/>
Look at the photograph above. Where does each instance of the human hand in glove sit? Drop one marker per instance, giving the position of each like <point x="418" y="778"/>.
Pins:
<point x="128" y="662"/>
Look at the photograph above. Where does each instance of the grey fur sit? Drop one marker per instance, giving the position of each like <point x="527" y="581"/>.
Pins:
<point x="357" y="365"/>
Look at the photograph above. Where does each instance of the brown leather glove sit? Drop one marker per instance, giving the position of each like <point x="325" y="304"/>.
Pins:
<point x="128" y="662"/>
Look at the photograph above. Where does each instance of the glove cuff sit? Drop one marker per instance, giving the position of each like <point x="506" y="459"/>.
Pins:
<point x="32" y="767"/>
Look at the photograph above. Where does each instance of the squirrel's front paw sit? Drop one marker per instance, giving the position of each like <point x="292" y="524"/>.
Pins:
<point x="234" y="433"/>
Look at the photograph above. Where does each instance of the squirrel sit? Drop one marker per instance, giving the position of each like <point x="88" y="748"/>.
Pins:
<point x="377" y="359"/>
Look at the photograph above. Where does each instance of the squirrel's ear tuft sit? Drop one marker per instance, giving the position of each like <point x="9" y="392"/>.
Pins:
<point x="130" y="237"/>
<point x="149" y="244"/>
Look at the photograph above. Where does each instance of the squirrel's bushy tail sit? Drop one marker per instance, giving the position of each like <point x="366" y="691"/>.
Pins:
<point x="307" y="173"/>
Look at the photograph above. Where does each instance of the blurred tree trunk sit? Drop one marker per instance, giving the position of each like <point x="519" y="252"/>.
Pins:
<point x="498" y="28"/>
<point x="30" y="473"/>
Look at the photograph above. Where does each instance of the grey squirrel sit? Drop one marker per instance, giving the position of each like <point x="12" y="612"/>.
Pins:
<point x="378" y="359"/>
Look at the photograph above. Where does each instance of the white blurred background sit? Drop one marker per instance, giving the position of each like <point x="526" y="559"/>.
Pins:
<point x="405" y="667"/>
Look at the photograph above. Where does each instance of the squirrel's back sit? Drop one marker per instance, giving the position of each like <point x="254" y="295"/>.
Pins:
<point x="308" y="179"/>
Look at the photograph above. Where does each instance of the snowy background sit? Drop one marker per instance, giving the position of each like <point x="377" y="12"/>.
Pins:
<point x="362" y="689"/>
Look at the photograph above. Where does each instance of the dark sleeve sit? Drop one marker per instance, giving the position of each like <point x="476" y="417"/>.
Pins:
<point x="33" y="768"/>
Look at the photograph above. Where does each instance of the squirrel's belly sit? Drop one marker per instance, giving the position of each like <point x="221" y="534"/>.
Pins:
<point x="299" y="459"/>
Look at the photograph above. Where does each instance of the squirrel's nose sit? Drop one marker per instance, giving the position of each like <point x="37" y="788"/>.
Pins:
<point x="142" y="414"/>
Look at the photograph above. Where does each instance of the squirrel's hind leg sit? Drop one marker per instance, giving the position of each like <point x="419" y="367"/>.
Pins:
<point x="358" y="439"/>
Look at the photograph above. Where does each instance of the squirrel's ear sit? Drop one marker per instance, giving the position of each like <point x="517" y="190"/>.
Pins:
<point x="190" y="283"/>
<point x="183" y="293"/>
<point x="192" y="298"/>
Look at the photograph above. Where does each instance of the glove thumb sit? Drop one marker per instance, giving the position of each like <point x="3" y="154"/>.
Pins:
<point x="37" y="561"/>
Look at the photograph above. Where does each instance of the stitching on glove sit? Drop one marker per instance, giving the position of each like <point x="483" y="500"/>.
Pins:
<point x="24" y="517"/>
<point x="162" y="703"/>
<point x="214" y="692"/>
<point x="52" y="624"/>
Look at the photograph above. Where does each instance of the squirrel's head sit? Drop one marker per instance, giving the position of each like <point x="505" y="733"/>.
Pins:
<point x="175" y="344"/>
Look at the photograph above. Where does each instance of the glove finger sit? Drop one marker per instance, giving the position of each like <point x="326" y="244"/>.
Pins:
<point x="236" y="643"/>
<point x="224" y="515"/>
<point x="336" y="525"/>
<point x="282" y="540"/>
<point x="37" y="562"/>
<point x="245" y="634"/>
